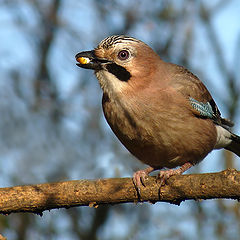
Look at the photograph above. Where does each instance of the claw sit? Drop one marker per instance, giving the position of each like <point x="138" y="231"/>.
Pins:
<point x="164" y="175"/>
<point x="140" y="176"/>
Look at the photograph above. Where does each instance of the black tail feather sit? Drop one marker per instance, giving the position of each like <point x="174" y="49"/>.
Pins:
<point x="226" y="122"/>
<point x="234" y="146"/>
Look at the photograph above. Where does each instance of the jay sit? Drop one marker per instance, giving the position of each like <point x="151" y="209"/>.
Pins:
<point x="161" y="112"/>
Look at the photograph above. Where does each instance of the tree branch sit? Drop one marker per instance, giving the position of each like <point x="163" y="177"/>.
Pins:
<point x="40" y="197"/>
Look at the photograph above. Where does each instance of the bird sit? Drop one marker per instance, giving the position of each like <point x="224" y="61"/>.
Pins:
<point x="161" y="112"/>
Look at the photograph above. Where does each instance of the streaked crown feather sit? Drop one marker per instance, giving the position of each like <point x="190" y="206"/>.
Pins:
<point x="112" y="40"/>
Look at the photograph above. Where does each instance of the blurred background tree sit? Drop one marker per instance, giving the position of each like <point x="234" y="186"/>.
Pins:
<point x="52" y="127"/>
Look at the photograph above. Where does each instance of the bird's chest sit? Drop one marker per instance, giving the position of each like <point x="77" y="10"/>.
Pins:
<point x="136" y="124"/>
<point x="135" y="120"/>
<point x="158" y="133"/>
<point x="121" y="119"/>
<point x="138" y="130"/>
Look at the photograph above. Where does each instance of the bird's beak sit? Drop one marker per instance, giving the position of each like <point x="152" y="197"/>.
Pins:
<point x="89" y="60"/>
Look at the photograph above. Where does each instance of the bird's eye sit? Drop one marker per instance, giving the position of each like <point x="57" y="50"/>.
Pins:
<point x="123" y="55"/>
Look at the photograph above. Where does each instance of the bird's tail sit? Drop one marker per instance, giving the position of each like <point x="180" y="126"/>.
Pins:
<point x="234" y="146"/>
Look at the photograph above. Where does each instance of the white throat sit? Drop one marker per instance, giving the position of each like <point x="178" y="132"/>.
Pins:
<point x="109" y="83"/>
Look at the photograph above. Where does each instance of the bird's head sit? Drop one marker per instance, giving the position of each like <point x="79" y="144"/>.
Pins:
<point x="120" y="62"/>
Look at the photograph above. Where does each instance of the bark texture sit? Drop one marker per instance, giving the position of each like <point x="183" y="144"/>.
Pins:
<point x="40" y="197"/>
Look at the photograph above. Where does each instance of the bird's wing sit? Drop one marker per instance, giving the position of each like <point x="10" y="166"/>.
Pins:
<point x="199" y="97"/>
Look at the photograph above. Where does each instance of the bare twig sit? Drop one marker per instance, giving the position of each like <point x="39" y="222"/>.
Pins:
<point x="40" y="197"/>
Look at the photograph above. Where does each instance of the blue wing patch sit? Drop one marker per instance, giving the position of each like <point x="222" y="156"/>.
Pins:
<point x="204" y="109"/>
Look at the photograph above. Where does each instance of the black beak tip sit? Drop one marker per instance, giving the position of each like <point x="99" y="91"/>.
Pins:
<point x="89" y="60"/>
<point x="78" y="55"/>
<point x="87" y="54"/>
<point x="85" y="59"/>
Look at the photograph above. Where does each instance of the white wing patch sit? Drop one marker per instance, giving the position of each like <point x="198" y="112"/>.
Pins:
<point x="223" y="137"/>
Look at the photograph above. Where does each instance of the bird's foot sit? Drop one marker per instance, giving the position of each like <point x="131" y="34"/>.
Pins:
<point x="163" y="175"/>
<point x="139" y="177"/>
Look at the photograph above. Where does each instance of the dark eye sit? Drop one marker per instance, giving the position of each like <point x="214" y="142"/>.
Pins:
<point x="123" y="55"/>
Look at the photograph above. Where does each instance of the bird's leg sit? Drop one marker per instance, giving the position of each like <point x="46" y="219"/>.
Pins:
<point x="163" y="175"/>
<point x="139" y="177"/>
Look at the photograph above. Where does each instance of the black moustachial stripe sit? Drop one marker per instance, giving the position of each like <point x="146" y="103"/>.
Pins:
<point x="120" y="72"/>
